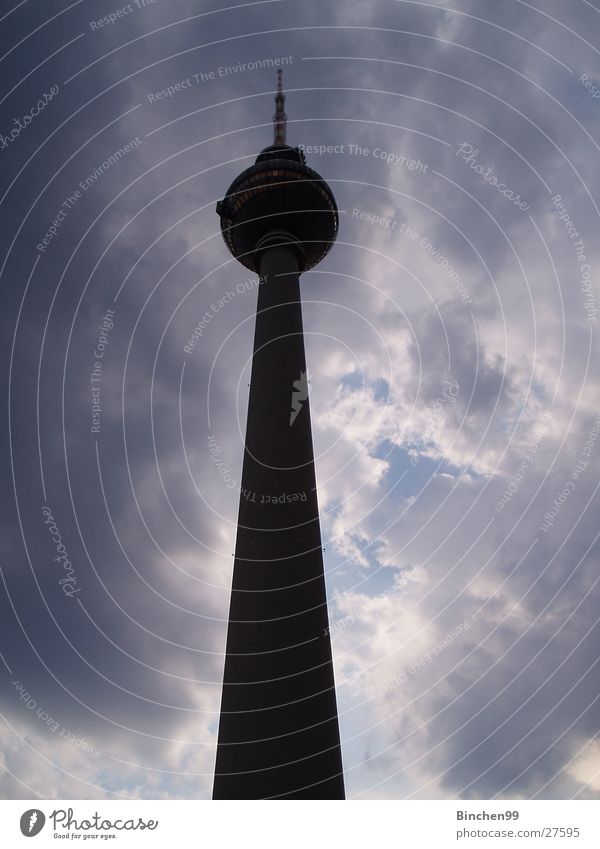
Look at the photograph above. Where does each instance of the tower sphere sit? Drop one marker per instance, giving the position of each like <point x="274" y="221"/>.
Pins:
<point x="279" y="193"/>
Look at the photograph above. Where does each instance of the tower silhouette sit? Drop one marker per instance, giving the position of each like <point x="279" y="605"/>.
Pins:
<point x="278" y="730"/>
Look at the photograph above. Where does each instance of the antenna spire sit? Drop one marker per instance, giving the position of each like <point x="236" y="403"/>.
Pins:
<point x="279" y="118"/>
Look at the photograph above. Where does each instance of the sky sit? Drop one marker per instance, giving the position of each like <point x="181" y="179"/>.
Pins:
<point x="451" y="338"/>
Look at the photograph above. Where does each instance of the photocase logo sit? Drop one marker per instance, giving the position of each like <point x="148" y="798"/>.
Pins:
<point x="32" y="822"/>
<point x="299" y="395"/>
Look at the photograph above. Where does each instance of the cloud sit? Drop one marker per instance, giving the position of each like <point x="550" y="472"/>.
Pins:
<point x="451" y="358"/>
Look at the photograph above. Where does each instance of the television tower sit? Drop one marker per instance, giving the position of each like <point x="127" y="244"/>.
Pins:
<point x="278" y="730"/>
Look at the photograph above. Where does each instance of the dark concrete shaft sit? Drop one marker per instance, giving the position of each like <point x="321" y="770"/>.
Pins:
<point x="278" y="733"/>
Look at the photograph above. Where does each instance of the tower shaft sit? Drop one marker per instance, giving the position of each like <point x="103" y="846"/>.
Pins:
<point x="278" y="732"/>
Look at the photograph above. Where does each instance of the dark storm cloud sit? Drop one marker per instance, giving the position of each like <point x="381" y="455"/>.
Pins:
<point x="132" y="662"/>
